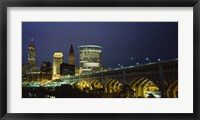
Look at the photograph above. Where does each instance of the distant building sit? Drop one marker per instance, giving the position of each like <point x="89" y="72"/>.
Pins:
<point x="46" y="71"/>
<point x="66" y="69"/>
<point x="24" y="72"/>
<point x="31" y="57"/>
<point x="46" y="68"/>
<point x="33" y="76"/>
<point x="57" y="61"/>
<point x="71" y="57"/>
<point x="90" y="58"/>
<point x="77" y="72"/>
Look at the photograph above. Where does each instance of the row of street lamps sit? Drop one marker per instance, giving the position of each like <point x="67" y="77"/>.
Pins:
<point x="147" y="59"/>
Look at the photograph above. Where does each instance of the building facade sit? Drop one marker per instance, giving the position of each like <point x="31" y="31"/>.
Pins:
<point x="71" y="57"/>
<point x="46" y="71"/>
<point x="90" y="59"/>
<point x="46" y="68"/>
<point x="31" y="57"/>
<point x="57" y="61"/>
<point x="66" y="69"/>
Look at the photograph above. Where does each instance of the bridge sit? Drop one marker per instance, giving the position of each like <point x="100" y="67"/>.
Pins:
<point x="161" y="76"/>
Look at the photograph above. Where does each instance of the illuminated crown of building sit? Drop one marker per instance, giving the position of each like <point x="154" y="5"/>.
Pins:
<point x="58" y="54"/>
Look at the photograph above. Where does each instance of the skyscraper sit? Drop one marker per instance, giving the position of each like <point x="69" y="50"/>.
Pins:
<point x="57" y="61"/>
<point x="90" y="58"/>
<point x="71" y="57"/>
<point x="31" y="57"/>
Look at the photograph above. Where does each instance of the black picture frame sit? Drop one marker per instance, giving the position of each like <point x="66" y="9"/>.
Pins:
<point x="98" y="3"/>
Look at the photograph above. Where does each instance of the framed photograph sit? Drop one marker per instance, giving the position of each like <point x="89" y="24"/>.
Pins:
<point x="131" y="59"/>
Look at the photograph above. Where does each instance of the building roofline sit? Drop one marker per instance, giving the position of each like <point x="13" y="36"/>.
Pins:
<point x="96" y="46"/>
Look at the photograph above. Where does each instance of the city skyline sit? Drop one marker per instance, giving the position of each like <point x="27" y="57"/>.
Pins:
<point x="160" y="40"/>
<point x="78" y="60"/>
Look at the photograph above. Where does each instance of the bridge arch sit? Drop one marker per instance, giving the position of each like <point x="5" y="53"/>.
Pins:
<point x="81" y="84"/>
<point x="94" y="83"/>
<point x="112" y="86"/>
<point x="140" y="84"/>
<point x="172" y="90"/>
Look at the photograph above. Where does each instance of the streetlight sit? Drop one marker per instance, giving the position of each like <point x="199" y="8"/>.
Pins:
<point x="147" y="59"/>
<point x="159" y="59"/>
<point x="131" y="61"/>
<point x="137" y="63"/>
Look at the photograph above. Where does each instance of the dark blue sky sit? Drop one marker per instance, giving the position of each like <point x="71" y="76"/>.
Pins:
<point x="120" y="41"/>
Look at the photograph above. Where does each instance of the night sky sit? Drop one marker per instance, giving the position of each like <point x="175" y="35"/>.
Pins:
<point x="120" y="41"/>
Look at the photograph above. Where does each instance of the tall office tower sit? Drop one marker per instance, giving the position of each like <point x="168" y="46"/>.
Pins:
<point x="71" y="57"/>
<point x="90" y="58"/>
<point x="31" y="57"/>
<point x="57" y="61"/>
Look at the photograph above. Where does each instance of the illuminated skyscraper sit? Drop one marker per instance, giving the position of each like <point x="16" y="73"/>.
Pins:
<point x="90" y="58"/>
<point x="31" y="57"/>
<point x="71" y="57"/>
<point x="57" y="61"/>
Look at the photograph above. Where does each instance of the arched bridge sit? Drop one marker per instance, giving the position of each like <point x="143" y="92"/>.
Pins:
<point x="160" y="76"/>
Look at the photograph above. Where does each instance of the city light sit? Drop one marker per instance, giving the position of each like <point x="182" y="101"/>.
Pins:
<point x="99" y="69"/>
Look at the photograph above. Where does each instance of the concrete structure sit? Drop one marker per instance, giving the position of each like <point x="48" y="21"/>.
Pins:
<point x="31" y="57"/>
<point x="90" y="59"/>
<point x="71" y="57"/>
<point x="160" y="76"/>
<point x="57" y="61"/>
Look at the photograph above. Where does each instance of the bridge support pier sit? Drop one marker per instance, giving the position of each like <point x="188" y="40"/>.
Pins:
<point x="161" y="83"/>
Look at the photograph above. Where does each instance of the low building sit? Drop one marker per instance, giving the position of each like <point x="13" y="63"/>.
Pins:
<point x="46" y="71"/>
<point x="66" y="69"/>
<point x="46" y="68"/>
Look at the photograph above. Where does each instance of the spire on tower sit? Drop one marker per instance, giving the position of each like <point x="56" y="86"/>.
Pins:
<point x="32" y="44"/>
<point x="71" y="49"/>
<point x="71" y="57"/>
